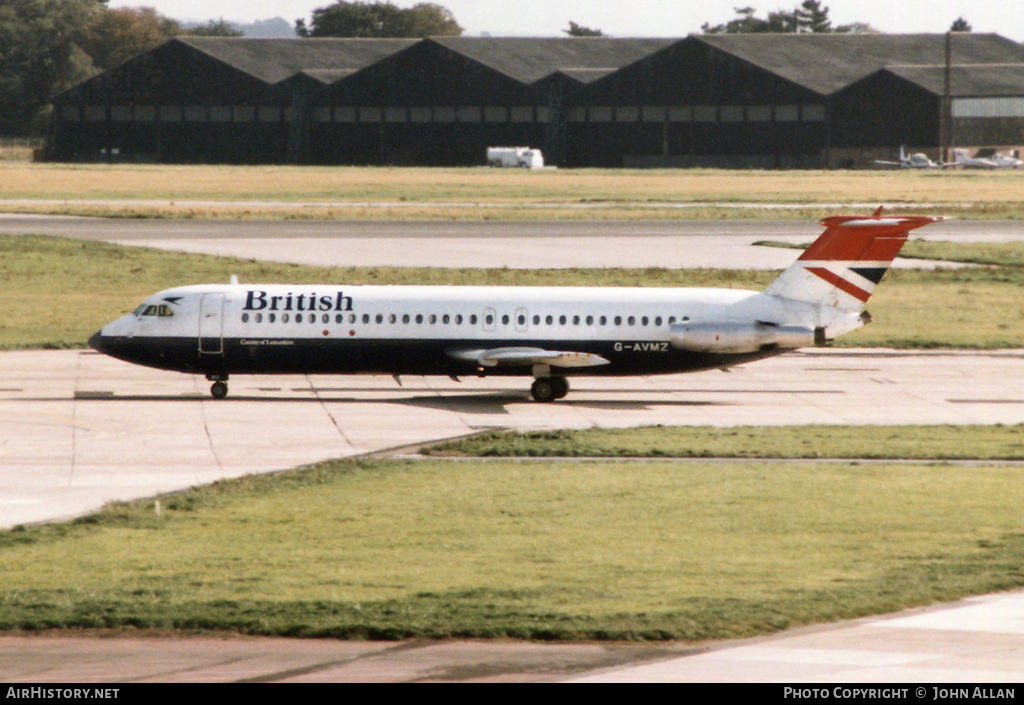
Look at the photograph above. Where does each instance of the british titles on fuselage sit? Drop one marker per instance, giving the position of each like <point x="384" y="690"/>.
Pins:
<point x="259" y="300"/>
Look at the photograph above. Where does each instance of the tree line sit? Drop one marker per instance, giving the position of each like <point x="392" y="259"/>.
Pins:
<point x="47" y="46"/>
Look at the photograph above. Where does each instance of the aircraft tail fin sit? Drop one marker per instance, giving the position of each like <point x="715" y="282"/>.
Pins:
<point x="843" y="266"/>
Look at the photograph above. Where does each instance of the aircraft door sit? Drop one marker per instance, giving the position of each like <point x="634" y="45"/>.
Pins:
<point x="211" y="324"/>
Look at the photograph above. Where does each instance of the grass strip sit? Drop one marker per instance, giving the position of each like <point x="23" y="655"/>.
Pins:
<point x="873" y="442"/>
<point x="603" y="193"/>
<point x="569" y="550"/>
<point x="56" y="292"/>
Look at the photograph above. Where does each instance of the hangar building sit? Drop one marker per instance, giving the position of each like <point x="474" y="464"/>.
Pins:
<point x="769" y="101"/>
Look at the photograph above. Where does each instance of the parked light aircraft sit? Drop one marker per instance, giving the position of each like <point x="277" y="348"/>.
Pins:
<point x="547" y="332"/>
<point x="918" y="160"/>
<point x="981" y="160"/>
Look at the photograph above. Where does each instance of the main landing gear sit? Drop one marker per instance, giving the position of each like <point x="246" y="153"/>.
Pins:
<point x="219" y="389"/>
<point x="547" y="389"/>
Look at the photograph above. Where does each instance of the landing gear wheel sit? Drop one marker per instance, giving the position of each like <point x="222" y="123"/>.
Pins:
<point x="219" y="390"/>
<point x="561" y="386"/>
<point x="547" y="389"/>
<point x="543" y="390"/>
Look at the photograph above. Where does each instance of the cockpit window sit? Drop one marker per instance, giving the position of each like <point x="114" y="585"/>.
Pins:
<point x="162" y="310"/>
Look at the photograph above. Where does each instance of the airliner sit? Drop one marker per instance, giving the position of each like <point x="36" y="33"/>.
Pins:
<point x="549" y="333"/>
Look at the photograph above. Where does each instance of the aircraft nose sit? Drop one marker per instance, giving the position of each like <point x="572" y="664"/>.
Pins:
<point x="96" y="341"/>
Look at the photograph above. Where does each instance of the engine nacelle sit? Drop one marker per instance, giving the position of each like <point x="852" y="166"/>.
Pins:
<point x="742" y="337"/>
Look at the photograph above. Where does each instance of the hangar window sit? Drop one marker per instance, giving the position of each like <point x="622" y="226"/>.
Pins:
<point x="170" y="113"/>
<point x="220" y="113"/>
<point x="680" y="113"/>
<point x="495" y="114"/>
<point x="786" y="113"/>
<point x="344" y="114"/>
<point x="522" y="113"/>
<point x="732" y="113"/>
<point x="813" y="113"/>
<point x="270" y="113"/>
<point x="627" y="114"/>
<point x="653" y="113"/>
<point x="467" y="113"/>
<point x="759" y="113"/>
<point x="370" y="114"/>
<point x="705" y="113"/>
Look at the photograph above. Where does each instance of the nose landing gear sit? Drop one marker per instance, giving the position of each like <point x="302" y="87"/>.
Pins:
<point x="219" y="389"/>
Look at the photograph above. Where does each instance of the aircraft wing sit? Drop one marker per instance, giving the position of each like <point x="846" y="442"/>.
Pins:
<point x="527" y="357"/>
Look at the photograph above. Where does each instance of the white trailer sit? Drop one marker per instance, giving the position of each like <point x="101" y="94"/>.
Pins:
<point x="522" y="157"/>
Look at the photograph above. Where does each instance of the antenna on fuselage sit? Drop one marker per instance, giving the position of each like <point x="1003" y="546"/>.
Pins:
<point x="234" y="280"/>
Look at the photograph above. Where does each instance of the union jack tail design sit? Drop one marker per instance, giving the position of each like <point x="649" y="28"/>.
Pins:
<point x="843" y="266"/>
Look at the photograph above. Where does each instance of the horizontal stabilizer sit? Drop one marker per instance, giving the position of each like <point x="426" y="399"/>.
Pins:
<point x="527" y="357"/>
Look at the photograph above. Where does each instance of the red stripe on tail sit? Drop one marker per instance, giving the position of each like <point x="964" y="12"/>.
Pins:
<point x="841" y="284"/>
